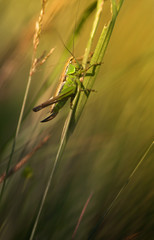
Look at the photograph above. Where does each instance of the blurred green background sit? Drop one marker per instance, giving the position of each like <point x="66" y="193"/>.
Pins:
<point x="113" y="133"/>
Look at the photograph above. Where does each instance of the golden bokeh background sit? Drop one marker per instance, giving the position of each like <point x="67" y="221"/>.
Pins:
<point x="113" y="133"/>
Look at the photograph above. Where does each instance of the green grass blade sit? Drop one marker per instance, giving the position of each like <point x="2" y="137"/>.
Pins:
<point x="97" y="58"/>
<point x="94" y="230"/>
<point x="95" y="24"/>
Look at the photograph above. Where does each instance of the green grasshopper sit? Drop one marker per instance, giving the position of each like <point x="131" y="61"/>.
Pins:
<point x="70" y="80"/>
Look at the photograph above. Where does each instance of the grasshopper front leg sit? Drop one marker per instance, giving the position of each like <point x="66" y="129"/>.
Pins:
<point x="80" y="82"/>
<point x="94" y="65"/>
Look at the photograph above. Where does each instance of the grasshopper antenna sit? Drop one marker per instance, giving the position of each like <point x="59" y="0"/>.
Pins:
<point x="75" y="25"/>
<point x="68" y="49"/>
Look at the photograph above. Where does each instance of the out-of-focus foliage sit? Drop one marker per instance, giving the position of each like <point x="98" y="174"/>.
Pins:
<point x="112" y="135"/>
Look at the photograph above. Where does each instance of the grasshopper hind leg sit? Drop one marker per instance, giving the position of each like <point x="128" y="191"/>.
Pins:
<point x="50" y="117"/>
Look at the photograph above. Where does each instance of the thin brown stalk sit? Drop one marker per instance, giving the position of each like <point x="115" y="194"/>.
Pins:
<point x="35" y="63"/>
<point x="24" y="160"/>
<point x="132" y="236"/>
<point x="81" y="215"/>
